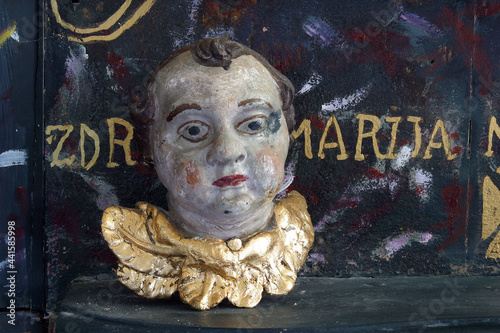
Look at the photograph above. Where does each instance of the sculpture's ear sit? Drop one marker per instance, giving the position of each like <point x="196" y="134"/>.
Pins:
<point x="143" y="115"/>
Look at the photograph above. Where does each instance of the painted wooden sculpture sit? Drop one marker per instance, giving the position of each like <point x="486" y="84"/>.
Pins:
<point x="216" y="126"/>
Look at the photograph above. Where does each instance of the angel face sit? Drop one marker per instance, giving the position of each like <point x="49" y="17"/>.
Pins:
<point x="219" y="145"/>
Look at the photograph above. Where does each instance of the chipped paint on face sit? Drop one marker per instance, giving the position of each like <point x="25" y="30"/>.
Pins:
<point x="288" y="179"/>
<point x="270" y="162"/>
<point x="192" y="174"/>
<point x="274" y="122"/>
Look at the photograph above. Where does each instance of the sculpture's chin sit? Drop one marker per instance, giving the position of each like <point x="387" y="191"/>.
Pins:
<point x="233" y="204"/>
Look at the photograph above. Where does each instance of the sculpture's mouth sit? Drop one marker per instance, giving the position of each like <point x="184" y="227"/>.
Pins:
<point x="231" y="180"/>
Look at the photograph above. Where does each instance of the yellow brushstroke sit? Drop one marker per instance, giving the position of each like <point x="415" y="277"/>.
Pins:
<point x="140" y="12"/>
<point x="124" y="143"/>
<point x="5" y="34"/>
<point x="491" y="216"/>
<point x="103" y="26"/>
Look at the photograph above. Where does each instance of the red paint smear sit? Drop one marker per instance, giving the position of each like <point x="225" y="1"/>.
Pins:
<point x="452" y="196"/>
<point x="119" y="70"/>
<point x="144" y="170"/>
<point x="7" y="95"/>
<point x="469" y="44"/>
<point x="21" y="195"/>
<point x="373" y="173"/>
<point x="457" y="150"/>
<point x="364" y="220"/>
<point x="386" y="48"/>
<point x="232" y="180"/>
<point x="283" y="57"/>
<point x="484" y="8"/>
<point x="69" y="85"/>
<point x="347" y="203"/>
<point x="454" y="135"/>
<point x="66" y="216"/>
<point x="135" y="155"/>
<point x="317" y="123"/>
<point x="116" y="62"/>
<point x="309" y="194"/>
<point x="419" y="190"/>
<point x="216" y="15"/>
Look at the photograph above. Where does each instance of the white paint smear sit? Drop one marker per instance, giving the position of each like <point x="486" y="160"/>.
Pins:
<point x="346" y="101"/>
<point x="107" y="196"/>
<point x="392" y="245"/>
<point x="313" y="81"/>
<point x="421" y="182"/>
<point x="403" y="158"/>
<point x="15" y="36"/>
<point x="13" y="157"/>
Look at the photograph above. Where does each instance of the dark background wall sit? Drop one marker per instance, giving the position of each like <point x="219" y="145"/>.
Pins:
<point x="427" y="211"/>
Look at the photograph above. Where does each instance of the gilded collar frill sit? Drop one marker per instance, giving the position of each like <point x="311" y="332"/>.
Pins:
<point x="155" y="260"/>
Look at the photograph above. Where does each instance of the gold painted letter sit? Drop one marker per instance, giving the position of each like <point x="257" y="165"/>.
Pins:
<point x="394" y="132"/>
<point x="436" y="145"/>
<point x="361" y="135"/>
<point x="305" y="127"/>
<point x="322" y="145"/>
<point x="493" y="129"/>
<point x="97" y="145"/>
<point x="418" y="134"/>
<point x="55" y="155"/>
<point x="491" y="218"/>
<point x="124" y="143"/>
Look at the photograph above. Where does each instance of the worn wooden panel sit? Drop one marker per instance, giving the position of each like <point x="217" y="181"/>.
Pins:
<point x="393" y="109"/>
<point x="21" y="262"/>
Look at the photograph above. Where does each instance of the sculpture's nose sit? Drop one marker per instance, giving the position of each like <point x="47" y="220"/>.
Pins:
<point x="226" y="148"/>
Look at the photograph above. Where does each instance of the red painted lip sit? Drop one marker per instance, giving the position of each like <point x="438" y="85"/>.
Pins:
<point x="232" y="180"/>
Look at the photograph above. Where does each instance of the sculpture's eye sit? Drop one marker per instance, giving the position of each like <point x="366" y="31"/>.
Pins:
<point x="253" y="125"/>
<point x="194" y="131"/>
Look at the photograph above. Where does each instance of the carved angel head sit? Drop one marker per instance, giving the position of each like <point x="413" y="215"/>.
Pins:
<point x="216" y="126"/>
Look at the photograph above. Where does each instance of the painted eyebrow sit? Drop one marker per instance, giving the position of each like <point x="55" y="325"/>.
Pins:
<point x="253" y="100"/>
<point x="181" y="108"/>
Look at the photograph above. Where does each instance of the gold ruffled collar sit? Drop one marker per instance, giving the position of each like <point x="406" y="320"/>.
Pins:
<point x="155" y="260"/>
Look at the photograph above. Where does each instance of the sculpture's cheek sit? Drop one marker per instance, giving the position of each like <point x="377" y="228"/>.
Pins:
<point x="192" y="173"/>
<point x="270" y="169"/>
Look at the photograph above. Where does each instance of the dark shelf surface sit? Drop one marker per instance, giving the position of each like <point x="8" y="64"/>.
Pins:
<point x="420" y="304"/>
